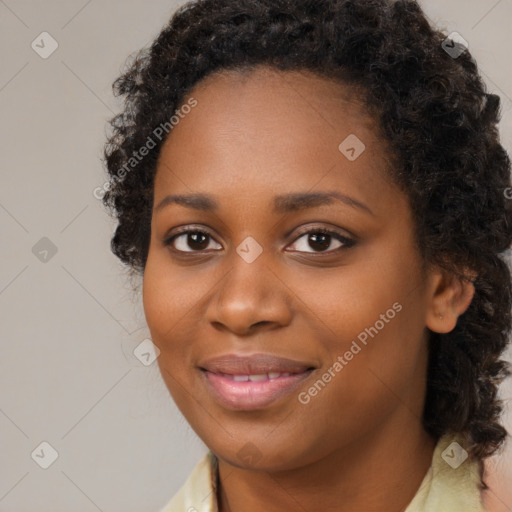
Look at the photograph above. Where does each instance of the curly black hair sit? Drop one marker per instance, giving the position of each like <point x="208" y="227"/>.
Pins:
<point x="434" y="111"/>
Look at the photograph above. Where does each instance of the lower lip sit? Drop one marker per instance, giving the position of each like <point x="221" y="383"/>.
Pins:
<point x="248" y="395"/>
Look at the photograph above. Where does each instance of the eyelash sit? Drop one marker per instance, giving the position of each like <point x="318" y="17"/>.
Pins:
<point x="347" y="242"/>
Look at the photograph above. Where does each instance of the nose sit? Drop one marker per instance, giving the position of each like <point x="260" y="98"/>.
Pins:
<point x="249" y="297"/>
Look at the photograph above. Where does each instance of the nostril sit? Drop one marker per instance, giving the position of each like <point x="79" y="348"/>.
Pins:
<point x="264" y="322"/>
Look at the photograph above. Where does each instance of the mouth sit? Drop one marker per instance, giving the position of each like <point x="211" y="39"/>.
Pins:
<point x="251" y="383"/>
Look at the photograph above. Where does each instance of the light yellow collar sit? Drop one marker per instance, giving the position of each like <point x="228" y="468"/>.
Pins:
<point x="450" y="484"/>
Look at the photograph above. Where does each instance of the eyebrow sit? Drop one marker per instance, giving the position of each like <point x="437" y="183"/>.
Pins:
<point x="282" y="204"/>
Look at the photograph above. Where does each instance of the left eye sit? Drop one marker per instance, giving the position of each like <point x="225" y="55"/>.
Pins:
<point x="197" y="240"/>
<point x="321" y="239"/>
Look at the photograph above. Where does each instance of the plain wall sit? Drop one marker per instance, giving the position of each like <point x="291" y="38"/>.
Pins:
<point x="69" y="325"/>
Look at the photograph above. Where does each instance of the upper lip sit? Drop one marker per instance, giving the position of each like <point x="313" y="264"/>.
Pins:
<point x="255" y="364"/>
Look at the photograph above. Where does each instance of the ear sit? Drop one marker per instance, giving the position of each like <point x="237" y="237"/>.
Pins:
<point x="448" y="297"/>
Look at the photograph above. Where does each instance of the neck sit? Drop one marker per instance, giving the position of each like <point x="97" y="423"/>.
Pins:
<point x="380" y="472"/>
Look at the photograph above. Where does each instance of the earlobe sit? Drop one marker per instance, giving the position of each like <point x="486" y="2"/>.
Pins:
<point x="449" y="296"/>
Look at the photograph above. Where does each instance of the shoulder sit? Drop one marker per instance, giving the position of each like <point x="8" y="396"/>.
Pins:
<point x="198" y="493"/>
<point x="452" y="483"/>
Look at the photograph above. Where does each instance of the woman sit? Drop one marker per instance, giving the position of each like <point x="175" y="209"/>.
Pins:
<point x="316" y="198"/>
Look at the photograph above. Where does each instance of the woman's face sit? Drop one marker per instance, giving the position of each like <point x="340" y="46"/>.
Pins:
<point x="264" y="163"/>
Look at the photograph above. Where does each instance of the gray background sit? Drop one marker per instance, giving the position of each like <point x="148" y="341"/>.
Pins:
<point x="70" y="324"/>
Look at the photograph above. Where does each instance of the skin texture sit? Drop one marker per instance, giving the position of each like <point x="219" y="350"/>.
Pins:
<point x="359" y="443"/>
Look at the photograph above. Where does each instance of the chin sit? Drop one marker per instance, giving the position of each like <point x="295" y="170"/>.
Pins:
<point x="259" y="456"/>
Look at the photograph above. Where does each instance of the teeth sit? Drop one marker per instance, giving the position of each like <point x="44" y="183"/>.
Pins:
<point x="257" y="378"/>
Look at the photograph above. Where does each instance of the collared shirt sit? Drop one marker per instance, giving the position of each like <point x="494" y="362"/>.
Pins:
<point x="451" y="484"/>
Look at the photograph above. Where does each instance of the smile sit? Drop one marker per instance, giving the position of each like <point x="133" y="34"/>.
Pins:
<point x="252" y="391"/>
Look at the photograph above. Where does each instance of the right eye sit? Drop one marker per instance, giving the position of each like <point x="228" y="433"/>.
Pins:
<point x="189" y="240"/>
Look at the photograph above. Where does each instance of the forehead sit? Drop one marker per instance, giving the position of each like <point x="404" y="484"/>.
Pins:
<point x="266" y="129"/>
<point x="288" y="86"/>
<point x="281" y="97"/>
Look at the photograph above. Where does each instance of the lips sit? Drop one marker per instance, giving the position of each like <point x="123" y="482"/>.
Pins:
<point x="256" y="364"/>
<point x="252" y="382"/>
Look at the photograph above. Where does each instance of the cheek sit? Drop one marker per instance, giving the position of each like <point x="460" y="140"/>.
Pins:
<point x="342" y="302"/>
<point x="168" y="296"/>
<point x="383" y="364"/>
<point x="158" y="308"/>
<point x="174" y="302"/>
<point x="371" y="380"/>
<point x="371" y="315"/>
<point x="163" y="309"/>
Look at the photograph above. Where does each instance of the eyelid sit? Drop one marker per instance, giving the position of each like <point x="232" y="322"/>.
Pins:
<point x="347" y="241"/>
<point x="337" y="232"/>
<point x="183" y="230"/>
